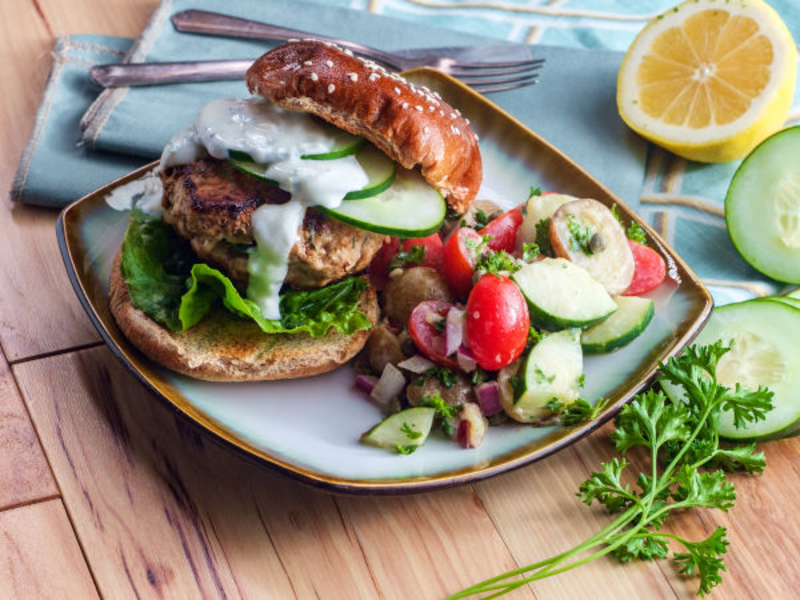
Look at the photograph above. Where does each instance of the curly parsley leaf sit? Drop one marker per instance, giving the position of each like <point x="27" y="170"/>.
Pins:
<point x="704" y="560"/>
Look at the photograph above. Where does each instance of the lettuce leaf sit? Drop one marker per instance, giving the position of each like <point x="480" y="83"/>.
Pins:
<point x="169" y="287"/>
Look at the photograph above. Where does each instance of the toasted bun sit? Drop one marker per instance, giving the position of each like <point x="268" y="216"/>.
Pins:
<point x="411" y="124"/>
<point x="224" y="348"/>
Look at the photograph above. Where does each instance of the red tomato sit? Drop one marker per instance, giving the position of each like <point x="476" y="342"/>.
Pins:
<point x="497" y="322"/>
<point x="503" y="230"/>
<point x="459" y="261"/>
<point x="434" y="250"/>
<point x="650" y="269"/>
<point x="426" y="337"/>
<point x="379" y="267"/>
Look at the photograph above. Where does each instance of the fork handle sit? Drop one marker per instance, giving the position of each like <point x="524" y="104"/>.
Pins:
<point x="211" y="23"/>
<point x="170" y="72"/>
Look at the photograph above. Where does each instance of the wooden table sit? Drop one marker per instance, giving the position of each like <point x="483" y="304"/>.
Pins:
<point x="104" y="492"/>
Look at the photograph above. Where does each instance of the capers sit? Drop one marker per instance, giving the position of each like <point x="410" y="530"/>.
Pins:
<point x="597" y="243"/>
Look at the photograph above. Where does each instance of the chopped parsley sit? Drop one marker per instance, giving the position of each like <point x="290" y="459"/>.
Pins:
<point x="576" y="412"/>
<point x="530" y="251"/>
<point x="444" y="411"/>
<point x="478" y="376"/>
<point x="405" y="449"/>
<point x="517" y="383"/>
<point x="414" y="256"/>
<point x="496" y="263"/>
<point x="409" y="432"/>
<point x="543" y="238"/>
<point x="534" y="191"/>
<point x="581" y="237"/>
<point x="541" y="376"/>
<point x="481" y="218"/>
<point x="636" y="233"/>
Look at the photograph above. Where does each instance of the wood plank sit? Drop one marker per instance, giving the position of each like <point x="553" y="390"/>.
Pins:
<point x="159" y="508"/>
<point x="35" y="293"/>
<point x="116" y="17"/>
<point x="125" y="465"/>
<point x="428" y="545"/>
<point x="39" y="555"/>
<point x="24" y="473"/>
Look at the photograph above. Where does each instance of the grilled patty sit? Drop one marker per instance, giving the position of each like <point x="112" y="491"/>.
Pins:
<point x="210" y="203"/>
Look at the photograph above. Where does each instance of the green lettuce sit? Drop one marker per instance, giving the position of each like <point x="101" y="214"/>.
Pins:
<point x="169" y="287"/>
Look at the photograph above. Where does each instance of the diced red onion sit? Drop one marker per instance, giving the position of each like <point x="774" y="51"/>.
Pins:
<point x="465" y="359"/>
<point x="417" y="364"/>
<point x="453" y="331"/>
<point x="488" y="395"/>
<point x="393" y="327"/>
<point x="366" y="383"/>
<point x="389" y="385"/>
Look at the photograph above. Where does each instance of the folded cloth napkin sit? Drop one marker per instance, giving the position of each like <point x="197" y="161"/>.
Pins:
<point x="573" y="106"/>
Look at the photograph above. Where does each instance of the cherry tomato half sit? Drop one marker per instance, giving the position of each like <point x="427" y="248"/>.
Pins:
<point x="649" y="272"/>
<point x="428" y="339"/>
<point x="459" y="260"/>
<point x="379" y="267"/>
<point x="503" y="230"/>
<point x="497" y="322"/>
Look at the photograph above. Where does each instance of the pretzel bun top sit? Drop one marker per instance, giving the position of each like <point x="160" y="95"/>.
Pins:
<point x="410" y="123"/>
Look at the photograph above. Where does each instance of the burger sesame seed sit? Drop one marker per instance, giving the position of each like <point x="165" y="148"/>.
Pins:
<point x="282" y="82"/>
<point x="293" y="40"/>
<point x="452" y="115"/>
<point x="314" y="77"/>
<point x="397" y="90"/>
<point x="374" y="76"/>
<point x="353" y="76"/>
<point x="308" y="63"/>
<point x="418" y="107"/>
<point x="425" y="129"/>
<point x="331" y="88"/>
<point x="458" y="112"/>
<point x="466" y="121"/>
<point x="441" y="113"/>
<point x="329" y="63"/>
<point x="348" y="52"/>
<point x="431" y="108"/>
<point x="405" y="104"/>
<point x="456" y="130"/>
<point x="477" y="139"/>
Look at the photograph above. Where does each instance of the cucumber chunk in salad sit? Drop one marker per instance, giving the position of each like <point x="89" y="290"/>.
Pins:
<point x="764" y="352"/>
<point x="561" y="295"/>
<point x="632" y="317"/>
<point x="762" y="207"/>
<point x="551" y="371"/>
<point x="403" y="431"/>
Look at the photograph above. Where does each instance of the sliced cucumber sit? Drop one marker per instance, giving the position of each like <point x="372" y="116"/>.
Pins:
<point x="633" y="315"/>
<point x="561" y="295"/>
<point x="410" y="208"/>
<point x="344" y="144"/>
<point x="380" y="170"/>
<point x="788" y="300"/>
<point x="764" y="352"/>
<point x="762" y="208"/>
<point x="794" y="294"/>
<point x="552" y="371"/>
<point x="403" y="431"/>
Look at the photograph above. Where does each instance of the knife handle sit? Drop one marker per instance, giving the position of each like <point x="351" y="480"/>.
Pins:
<point x="169" y="72"/>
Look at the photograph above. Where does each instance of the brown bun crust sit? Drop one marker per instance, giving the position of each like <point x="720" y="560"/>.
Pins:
<point x="224" y="348"/>
<point x="411" y="124"/>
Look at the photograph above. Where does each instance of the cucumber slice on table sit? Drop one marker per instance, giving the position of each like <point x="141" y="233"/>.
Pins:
<point x="561" y="295"/>
<point x="794" y="294"/>
<point x="765" y="352"/>
<point x="410" y="208"/>
<point x="407" y="429"/>
<point x="788" y="300"/>
<point x="633" y="315"/>
<point x="762" y="208"/>
<point x="552" y="371"/>
<point x="380" y="170"/>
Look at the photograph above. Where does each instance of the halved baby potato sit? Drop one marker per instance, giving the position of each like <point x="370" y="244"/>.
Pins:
<point x="587" y="234"/>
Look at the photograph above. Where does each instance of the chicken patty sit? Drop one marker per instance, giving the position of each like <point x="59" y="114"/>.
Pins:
<point x="210" y="203"/>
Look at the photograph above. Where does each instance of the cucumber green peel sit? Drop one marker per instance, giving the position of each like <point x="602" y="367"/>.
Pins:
<point x="687" y="470"/>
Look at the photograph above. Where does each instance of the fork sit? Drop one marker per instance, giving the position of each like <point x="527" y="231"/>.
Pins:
<point x="484" y="77"/>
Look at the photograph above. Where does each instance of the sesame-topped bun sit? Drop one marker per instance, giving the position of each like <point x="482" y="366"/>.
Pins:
<point x="410" y="123"/>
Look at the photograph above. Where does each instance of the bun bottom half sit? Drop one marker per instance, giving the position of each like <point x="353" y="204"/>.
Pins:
<point x="223" y="347"/>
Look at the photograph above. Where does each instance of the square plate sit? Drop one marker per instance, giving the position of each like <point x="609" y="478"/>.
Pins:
<point x="310" y="427"/>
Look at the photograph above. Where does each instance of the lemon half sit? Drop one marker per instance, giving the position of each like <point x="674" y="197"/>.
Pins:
<point x="709" y="79"/>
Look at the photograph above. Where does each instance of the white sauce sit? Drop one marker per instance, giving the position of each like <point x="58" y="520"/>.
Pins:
<point x="278" y="138"/>
<point x="144" y="194"/>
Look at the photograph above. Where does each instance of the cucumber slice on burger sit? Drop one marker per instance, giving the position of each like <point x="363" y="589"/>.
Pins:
<point x="380" y="170"/>
<point x="410" y="208"/>
<point x="344" y="144"/>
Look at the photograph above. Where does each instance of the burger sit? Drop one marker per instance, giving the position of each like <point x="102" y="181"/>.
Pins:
<point x="273" y="206"/>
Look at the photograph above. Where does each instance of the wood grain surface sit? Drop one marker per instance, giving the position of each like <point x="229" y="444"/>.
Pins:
<point x="104" y="491"/>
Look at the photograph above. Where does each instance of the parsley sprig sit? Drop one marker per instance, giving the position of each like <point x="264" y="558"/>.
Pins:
<point x="687" y="470"/>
